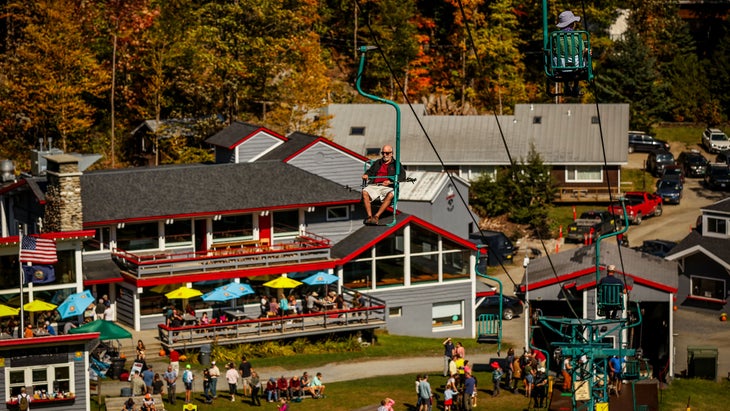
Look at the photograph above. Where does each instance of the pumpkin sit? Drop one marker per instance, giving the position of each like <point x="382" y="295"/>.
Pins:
<point x="183" y="358"/>
<point x="162" y="353"/>
<point x="122" y="356"/>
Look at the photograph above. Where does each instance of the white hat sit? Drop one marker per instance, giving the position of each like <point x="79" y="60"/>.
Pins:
<point x="541" y="369"/>
<point x="567" y="18"/>
<point x="611" y="268"/>
<point x="314" y="294"/>
<point x="212" y="362"/>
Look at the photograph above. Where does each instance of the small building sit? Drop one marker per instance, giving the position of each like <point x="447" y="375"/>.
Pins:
<point x="569" y="137"/>
<point x="564" y="285"/>
<point x="703" y="258"/>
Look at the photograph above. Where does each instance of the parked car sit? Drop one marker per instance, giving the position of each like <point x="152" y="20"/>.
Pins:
<point x="673" y="173"/>
<point x="715" y="141"/>
<point x="718" y="177"/>
<point x="723" y="158"/>
<point x="640" y="141"/>
<point x="659" y="248"/>
<point x="670" y="191"/>
<point x="639" y="204"/>
<point x="693" y="163"/>
<point x="500" y="248"/>
<point x="657" y="160"/>
<point x="511" y="306"/>
<point x="590" y="223"/>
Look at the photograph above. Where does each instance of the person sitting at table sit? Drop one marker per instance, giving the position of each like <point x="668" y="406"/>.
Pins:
<point x="189" y="310"/>
<point x="28" y="333"/>
<point x="284" y="306"/>
<point x="294" y="305"/>
<point x="204" y="320"/>
<point x="340" y="302"/>
<point x="177" y="319"/>
<point x="264" y="305"/>
<point x="330" y="298"/>
<point x="313" y="302"/>
<point x="49" y="329"/>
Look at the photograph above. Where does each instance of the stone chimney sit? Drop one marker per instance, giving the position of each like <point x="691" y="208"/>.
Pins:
<point x="63" y="194"/>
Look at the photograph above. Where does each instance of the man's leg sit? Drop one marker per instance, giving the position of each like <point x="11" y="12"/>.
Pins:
<point x="214" y="387"/>
<point x="384" y="205"/>
<point x="366" y="200"/>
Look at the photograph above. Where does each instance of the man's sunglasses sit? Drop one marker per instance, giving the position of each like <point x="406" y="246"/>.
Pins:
<point x="386" y="152"/>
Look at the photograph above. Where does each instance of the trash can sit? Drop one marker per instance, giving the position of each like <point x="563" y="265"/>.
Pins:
<point x="205" y="351"/>
<point x="115" y="370"/>
<point x="702" y="362"/>
<point x="125" y="392"/>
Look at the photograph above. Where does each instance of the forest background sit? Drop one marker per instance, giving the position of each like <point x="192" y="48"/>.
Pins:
<point x="87" y="72"/>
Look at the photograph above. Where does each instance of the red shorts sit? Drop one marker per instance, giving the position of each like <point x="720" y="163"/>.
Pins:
<point x="448" y="402"/>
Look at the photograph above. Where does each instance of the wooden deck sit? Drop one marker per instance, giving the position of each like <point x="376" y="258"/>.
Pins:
<point x="276" y="328"/>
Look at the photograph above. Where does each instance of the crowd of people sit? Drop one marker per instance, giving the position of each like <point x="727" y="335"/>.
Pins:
<point x="280" y="390"/>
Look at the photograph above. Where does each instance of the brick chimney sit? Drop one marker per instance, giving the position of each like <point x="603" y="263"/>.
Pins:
<point x="63" y="194"/>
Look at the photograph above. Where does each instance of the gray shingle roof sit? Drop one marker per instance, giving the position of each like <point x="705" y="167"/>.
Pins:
<point x="199" y="189"/>
<point x="715" y="248"/>
<point x="565" y="134"/>
<point x="581" y="261"/>
<point x="722" y="206"/>
<point x="295" y="142"/>
<point x="232" y="134"/>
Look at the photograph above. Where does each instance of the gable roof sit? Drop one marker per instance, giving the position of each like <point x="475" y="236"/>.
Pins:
<point x="367" y="236"/>
<point x="427" y="186"/>
<point x="236" y="132"/>
<point x="720" y="207"/>
<point x="714" y="248"/>
<point x="563" y="134"/>
<point x="578" y="266"/>
<point x="203" y="189"/>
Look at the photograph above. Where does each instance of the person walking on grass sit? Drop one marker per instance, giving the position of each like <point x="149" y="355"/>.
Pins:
<point x="424" y="393"/>
<point x="232" y="379"/>
<point x="188" y="379"/>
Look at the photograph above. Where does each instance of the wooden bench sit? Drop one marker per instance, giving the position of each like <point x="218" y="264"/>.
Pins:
<point x="117" y="403"/>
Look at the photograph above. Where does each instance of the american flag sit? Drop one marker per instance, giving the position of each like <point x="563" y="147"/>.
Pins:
<point x="38" y="250"/>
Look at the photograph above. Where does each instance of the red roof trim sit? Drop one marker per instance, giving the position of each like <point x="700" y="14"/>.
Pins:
<point x="253" y="133"/>
<point x="329" y="143"/>
<point x="224" y="213"/>
<point x="104" y="281"/>
<point x="400" y="223"/>
<point x="13" y="186"/>
<point x="706" y="299"/>
<point x="58" y="236"/>
<point x="251" y="272"/>
<point x="52" y="340"/>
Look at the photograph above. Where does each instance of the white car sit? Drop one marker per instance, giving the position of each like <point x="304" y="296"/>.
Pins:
<point x="715" y="140"/>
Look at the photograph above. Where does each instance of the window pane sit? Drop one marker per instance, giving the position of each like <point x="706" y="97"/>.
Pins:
<point x="392" y="245"/>
<point x="456" y="265"/>
<point x="356" y="274"/>
<point x="286" y="223"/>
<point x="717" y="225"/>
<point x="338" y="213"/>
<point x="62" y="373"/>
<point x="389" y="272"/>
<point x="446" y="314"/>
<point x="39" y="375"/>
<point x="423" y="240"/>
<point x="233" y="226"/>
<point x="708" y="288"/>
<point x="17" y="377"/>
<point x="180" y="231"/>
<point x="424" y="268"/>
<point x="137" y="236"/>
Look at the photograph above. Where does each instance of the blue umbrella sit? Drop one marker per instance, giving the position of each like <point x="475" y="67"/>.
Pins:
<point x="321" y="278"/>
<point x="228" y="292"/>
<point x="75" y="304"/>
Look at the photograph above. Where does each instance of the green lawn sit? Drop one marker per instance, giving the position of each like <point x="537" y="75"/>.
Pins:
<point x="688" y="134"/>
<point x="351" y="395"/>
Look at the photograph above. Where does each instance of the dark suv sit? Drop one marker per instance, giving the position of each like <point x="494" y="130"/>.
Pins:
<point x="640" y="141"/>
<point x="657" y="160"/>
<point x="718" y="177"/>
<point x="723" y="158"/>
<point x="693" y="163"/>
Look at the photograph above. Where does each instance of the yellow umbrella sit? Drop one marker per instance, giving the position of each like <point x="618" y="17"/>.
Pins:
<point x="6" y="311"/>
<point x="282" y="282"/>
<point x="39" y="305"/>
<point x="183" y="293"/>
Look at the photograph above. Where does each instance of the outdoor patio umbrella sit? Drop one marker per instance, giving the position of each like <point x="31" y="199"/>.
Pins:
<point x="321" y="278"/>
<point x="183" y="293"/>
<point x="107" y="330"/>
<point x="282" y="282"/>
<point x="75" y="304"/>
<point x="39" y="305"/>
<point x="228" y="292"/>
<point x="6" y="311"/>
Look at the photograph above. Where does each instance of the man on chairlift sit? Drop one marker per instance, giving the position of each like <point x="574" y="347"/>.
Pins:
<point x="611" y="278"/>
<point x="380" y="179"/>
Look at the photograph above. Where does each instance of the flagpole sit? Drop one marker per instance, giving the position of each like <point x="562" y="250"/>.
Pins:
<point x="21" y="330"/>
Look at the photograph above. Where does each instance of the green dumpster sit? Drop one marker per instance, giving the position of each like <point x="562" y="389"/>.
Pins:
<point x="702" y="362"/>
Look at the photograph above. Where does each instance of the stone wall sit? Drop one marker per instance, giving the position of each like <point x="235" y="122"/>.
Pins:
<point x="63" y="195"/>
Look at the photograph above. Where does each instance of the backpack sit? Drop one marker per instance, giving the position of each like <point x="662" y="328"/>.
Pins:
<point x="23" y="403"/>
<point x="187" y="376"/>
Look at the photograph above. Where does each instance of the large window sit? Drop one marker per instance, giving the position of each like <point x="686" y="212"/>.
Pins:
<point x="233" y="227"/>
<point x="717" y="225"/>
<point x="389" y="272"/>
<point x="137" y="236"/>
<point x="286" y="224"/>
<point x="583" y="174"/>
<point x="48" y="378"/>
<point x="448" y="315"/>
<point x="708" y="288"/>
<point x="178" y="233"/>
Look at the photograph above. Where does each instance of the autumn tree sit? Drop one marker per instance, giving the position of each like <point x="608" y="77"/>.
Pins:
<point x="52" y="77"/>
